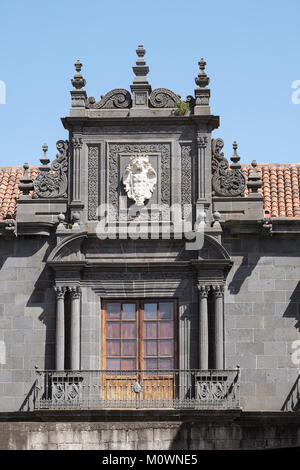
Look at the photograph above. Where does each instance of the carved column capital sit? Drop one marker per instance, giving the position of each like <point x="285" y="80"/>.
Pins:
<point x="60" y="291"/>
<point x="218" y="290"/>
<point x="201" y="141"/>
<point x="203" y="290"/>
<point x="77" y="142"/>
<point x="75" y="292"/>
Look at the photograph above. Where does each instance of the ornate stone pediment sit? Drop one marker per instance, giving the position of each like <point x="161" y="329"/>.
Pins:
<point x="139" y="179"/>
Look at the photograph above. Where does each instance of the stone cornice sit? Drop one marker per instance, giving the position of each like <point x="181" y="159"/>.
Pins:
<point x="82" y="121"/>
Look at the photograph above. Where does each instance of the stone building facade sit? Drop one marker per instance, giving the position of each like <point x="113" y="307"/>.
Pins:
<point x="142" y="269"/>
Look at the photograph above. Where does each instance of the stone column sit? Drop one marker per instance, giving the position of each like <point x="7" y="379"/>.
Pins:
<point x="218" y="326"/>
<point x="75" y="293"/>
<point x="201" y="146"/>
<point x="203" y="326"/>
<point x="60" y="328"/>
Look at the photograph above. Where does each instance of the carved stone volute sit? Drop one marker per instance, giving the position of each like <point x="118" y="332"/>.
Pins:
<point x="52" y="182"/>
<point x="226" y="181"/>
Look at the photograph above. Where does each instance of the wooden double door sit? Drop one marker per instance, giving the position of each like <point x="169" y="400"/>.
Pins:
<point x="139" y="350"/>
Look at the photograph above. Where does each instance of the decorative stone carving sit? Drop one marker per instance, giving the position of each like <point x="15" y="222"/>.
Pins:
<point x="60" y="292"/>
<point x="202" y="80"/>
<point x="163" y="98"/>
<point x="218" y="290"/>
<point x="203" y="290"/>
<point x="225" y="181"/>
<point x="10" y="226"/>
<point x="78" y="81"/>
<point x="116" y="149"/>
<point x="254" y="182"/>
<point x="186" y="175"/>
<point x="75" y="292"/>
<point x="77" y="143"/>
<point x="117" y="98"/>
<point x="93" y="175"/>
<point x="139" y="179"/>
<point x="54" y="184"/>
<point x="26" y="183"/>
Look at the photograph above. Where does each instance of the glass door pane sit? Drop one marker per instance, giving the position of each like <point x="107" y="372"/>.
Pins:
<point x="158" y="336"/>
<point x="121" y="336"/>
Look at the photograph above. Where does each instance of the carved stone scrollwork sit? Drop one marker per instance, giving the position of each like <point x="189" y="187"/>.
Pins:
<point x="163" y="98"/>
<point x="54" y="184"/>
<point x="117" y="98"/>
<point x="225" y="181"/>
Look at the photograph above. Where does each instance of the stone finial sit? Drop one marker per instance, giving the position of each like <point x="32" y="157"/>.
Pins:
<point x="44" y="159"/>
<point x="140" y="87"/>
<point x="76" y="220"/>
<point x="26" y="183"/>
<point x="235" y="158"/>
<point x="61" y="221"/>
<point x="202" y="80"/>
<point x="254" y="181"/>
<point x="141" y="69"/>
<point x="202" y="94"/>
<point x="78" y="81"/>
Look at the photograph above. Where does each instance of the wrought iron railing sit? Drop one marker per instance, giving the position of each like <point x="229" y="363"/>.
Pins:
<point x="99" y="389"/>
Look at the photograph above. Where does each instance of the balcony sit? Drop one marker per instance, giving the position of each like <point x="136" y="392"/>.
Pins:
<point x="138" y="389"/>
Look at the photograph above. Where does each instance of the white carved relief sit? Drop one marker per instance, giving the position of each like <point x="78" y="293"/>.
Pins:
<point x="139" y="179"/>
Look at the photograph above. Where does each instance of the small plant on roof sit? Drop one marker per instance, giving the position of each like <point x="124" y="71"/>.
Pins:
<point x="181" y="108"/>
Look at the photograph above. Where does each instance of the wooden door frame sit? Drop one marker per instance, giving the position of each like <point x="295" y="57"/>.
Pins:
<point x="139" y="343"/>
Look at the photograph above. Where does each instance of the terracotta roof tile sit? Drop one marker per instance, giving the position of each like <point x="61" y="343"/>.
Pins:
<point x="280" y="188"/>
<point x="9" y="191"/>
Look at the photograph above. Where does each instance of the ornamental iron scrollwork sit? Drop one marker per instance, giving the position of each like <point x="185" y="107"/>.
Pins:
<point x="65" y="392"/>
<point x="118" y="98"/>
<point x="211" y="391"/>
<point x="52" y="182"/>
<point x="226" y="180"/>
<point x="163" y="98"/>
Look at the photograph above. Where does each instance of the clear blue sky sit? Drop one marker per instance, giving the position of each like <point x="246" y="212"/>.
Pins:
<point x="252" y="50"/>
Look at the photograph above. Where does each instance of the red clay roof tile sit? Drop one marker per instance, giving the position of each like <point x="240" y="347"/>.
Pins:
<point x="280" y="188"/>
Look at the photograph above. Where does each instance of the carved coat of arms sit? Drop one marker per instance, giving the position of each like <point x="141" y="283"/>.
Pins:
<point x="139" y="179"/>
